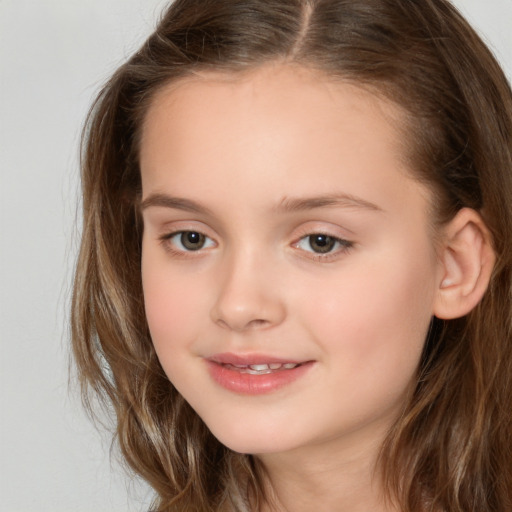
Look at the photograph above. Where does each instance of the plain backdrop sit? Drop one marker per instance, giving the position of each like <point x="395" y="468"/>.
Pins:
<point x="54" y="55"/>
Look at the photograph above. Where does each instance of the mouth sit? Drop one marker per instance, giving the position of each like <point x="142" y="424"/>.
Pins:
<point x="261" y="369"/>
<point x="255" y="374"/>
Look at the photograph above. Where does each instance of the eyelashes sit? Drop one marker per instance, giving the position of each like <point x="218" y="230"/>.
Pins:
<point x="187" y="241"/>
<point x="322" y="244"/>
<point x="317" y="246"/>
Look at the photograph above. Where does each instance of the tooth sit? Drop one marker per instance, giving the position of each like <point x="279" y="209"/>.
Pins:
<point x="289" y="366"/>
<point x="274" y="366"/>
<point x="258" y="367"/>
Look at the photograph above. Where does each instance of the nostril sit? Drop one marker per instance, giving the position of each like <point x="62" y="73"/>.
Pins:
<point x="222" y="323"/>
<point x="257" y="323"/>
<point x="252" y="324"/>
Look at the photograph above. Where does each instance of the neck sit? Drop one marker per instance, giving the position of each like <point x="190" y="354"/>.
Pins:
<point x="331" y="480"/>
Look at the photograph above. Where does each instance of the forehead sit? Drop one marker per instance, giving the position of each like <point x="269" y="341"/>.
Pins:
<point x="273" y="130"/>
<point x="270" y="87"/>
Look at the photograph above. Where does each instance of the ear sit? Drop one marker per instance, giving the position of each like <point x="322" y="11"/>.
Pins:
<point x="467" y="260"/>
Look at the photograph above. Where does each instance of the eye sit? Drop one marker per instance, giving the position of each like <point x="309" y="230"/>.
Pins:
<point x="186" y="241"/>
<point x="321" y="243"/>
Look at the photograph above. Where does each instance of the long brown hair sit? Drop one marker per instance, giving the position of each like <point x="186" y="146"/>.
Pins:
<point x="452" y="448"/>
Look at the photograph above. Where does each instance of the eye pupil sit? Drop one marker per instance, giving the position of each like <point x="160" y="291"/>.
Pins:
<point x="192" y="240"/>
<point x="322" y="243"/>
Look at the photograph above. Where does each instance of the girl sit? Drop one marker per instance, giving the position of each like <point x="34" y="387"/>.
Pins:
<point x="294" y="285"/>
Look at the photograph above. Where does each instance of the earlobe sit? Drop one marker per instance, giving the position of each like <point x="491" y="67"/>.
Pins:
<point x="467" y="259"/>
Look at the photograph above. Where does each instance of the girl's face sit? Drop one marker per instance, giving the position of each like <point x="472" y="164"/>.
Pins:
<point x="288" y="265"/>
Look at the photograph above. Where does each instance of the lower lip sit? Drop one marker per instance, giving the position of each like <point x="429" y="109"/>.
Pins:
<point x="250" y="384"/>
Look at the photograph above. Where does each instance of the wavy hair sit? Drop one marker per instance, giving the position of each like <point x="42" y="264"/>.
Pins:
<point x="451" y="450"/>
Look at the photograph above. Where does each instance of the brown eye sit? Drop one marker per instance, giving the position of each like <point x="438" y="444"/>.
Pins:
<point x="323" y="246"/>
<point x="186" y="241"/>
<point x="192" y="240"/>
<point x="321" y="243"/>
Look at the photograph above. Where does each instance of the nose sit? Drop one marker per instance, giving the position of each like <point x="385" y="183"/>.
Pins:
<point x="248" y="297"/>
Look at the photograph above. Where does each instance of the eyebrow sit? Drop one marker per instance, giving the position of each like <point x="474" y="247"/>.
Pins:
<point x="289" y="204"/>
<point x="176" y="203"/>
<point x="286" y="205"/>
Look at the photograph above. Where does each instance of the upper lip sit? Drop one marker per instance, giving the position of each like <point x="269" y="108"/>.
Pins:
<point x="250" y="359"/>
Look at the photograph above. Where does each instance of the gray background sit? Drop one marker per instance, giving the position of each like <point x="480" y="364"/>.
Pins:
<point x="54" y="55"/>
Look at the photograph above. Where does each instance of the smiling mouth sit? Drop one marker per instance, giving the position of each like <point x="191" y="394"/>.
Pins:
<point x="255" y="374"/>
<point x="261" y="369"/>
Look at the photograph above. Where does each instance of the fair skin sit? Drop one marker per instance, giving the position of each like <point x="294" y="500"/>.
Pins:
<point x="281" y="225"/>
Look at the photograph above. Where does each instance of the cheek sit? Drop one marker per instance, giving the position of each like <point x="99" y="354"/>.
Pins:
<point x="376" y="316"/>
<point x="163" y="311"/>
<point x="171" y="305"/>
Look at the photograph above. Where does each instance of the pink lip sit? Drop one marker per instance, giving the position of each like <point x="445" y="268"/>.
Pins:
<point x="249" y="384"/>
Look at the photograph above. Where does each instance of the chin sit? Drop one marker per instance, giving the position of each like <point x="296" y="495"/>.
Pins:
<point x="247" y="441"/>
